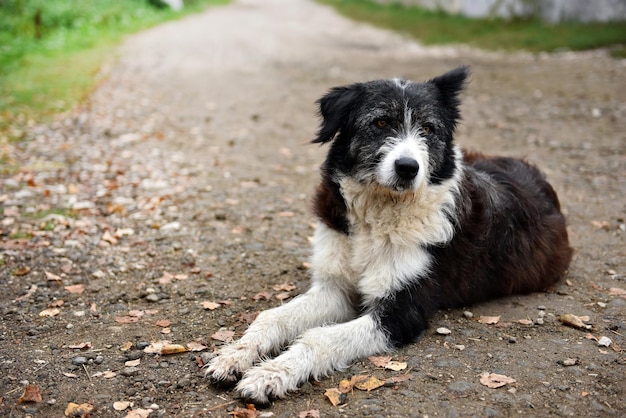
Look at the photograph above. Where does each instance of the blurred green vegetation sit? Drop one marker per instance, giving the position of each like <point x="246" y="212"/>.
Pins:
<point x="50" y="50"/>
<point x="533" y="35"/>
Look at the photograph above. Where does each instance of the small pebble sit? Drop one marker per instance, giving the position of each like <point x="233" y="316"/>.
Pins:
<point x="468" y="314"/>
<point x="512" y="340"/>
<point x="141" y="345"/>
<point x="443" y="331"/>
<point x="605" y="342"/>
<point x="541" y="308"/>
<point x="539" y="321"/>
<point x="77" y="361"/>
<point x="153" y="297"/>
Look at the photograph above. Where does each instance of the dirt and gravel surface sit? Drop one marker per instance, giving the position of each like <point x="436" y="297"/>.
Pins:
<point x="173" y="205"/>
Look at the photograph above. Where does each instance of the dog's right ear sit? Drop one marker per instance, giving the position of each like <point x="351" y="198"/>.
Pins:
<point x="335" y="110"/>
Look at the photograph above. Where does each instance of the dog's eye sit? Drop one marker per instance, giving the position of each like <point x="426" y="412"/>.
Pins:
<point x="381" y="123"/>
<point x="427" y="128"/>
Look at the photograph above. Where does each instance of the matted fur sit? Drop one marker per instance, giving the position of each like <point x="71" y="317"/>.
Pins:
<point x="408" y="224"/>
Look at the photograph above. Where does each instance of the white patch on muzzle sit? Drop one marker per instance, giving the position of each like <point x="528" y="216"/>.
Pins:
<point x="411" y="146"/>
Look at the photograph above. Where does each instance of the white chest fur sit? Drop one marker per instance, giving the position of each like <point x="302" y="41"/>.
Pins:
<point x="388" y="233"/>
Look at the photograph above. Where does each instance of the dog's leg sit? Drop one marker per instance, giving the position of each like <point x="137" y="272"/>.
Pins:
<point x="316" y="353"/>
<point x="277" y="327"/>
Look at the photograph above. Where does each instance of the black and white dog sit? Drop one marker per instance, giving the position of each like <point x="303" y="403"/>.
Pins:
<point x="408" y="224"/>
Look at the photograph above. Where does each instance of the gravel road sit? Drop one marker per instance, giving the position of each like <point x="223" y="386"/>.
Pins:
<point x="174" y="204"/>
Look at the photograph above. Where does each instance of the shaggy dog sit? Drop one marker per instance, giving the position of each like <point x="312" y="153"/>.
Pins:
<point x="408" y="224"/>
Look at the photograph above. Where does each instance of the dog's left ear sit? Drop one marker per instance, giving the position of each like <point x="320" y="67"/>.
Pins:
<point x="450" y="85"/>
<point x="335" y="108"/>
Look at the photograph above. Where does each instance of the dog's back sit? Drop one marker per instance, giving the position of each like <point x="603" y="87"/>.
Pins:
<point x="511" y="235"/>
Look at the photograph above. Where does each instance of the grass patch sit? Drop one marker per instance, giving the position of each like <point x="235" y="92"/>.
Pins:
<point x="533" y="35"/>
<point x="50" y="51"/>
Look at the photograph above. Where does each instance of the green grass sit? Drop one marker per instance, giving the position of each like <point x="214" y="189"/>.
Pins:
<point x="51" y="50"/>
<point x="533" y="35"/>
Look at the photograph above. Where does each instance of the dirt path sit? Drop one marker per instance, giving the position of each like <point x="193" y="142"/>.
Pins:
<point x="189" y="178"/>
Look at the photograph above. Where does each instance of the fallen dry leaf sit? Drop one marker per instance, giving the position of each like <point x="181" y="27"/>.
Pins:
<point x="56" y="304"/>
<point x="573" y="321"/>
<point x="52" y="277"/>
<point x="166" y="278"/>
<point x="524" y="321"/>
<point x="369" y="384"/>
<point x="75" y="288"/>
<point x="136" y="313"/>
<point x="283" y="296"/>
<point x="173" y="349"/>
<point x="126" y="346"/>
<point x="126" y="319"/>
<point x="286" y="287"/>
<point x="163" y="323"/>
<point x="262" y="295"/>
<point x="109" y="374"/>
<point x="21" y="271"/>
<point x="248" y="412"/>
<point x="194" y="346"/>
<point x="223" y="335"/>
<point x="156" y="347"/>
<point x="387" y="363"/>
<point x="82" y="410"/>
<point x="311" y="413"/>
<point x="494" y="380"/>
<point x="70" y="375"/>
<point x="138" y="413"/>
<point x="335" y="396"/>
<point x="210" y="305"/>
<point x="31" y="394"/>
<point x="81" y="346"/>
<point x="616" y="291"/>
<point x="108" y="237"/>
<point x="248" y="317"/>
<point x="489" y="320"/>
<point x="50" y="312"/>
<point x="133" y="363"/>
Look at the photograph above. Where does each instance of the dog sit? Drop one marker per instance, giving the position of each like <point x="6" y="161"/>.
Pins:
<point x="408" y="224"/>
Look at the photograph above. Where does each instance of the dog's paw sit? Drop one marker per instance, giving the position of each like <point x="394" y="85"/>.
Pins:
<point x="230" y="364"/>
<point x="267" y="381"/>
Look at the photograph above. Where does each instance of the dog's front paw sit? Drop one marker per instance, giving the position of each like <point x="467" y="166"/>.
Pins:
<point x="230" y="364"/>
<point x="267" y="381"/>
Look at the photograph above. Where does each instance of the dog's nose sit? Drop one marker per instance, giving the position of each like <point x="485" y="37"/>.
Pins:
<point x="406" y="168"/>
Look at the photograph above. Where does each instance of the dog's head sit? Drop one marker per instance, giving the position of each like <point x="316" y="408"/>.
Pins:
<point x="393" y="133"/>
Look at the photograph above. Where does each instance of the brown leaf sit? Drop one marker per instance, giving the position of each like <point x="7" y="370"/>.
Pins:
<point x="173" y="349"/>
<point x="210" y="305"/>
<point x="50" y="312"/>
<point x="194" y="346"/>
<point x="223" y="335"/>
<point x="21" y="271"/>
<point x="345" y="386"/>
<point x="81" y="346"/>
<point x="370" y="384"/>
<point x="56" y="304"/>
<point x="126" y="319"/>
<point x="132" y="363"/>
<point x="616" y="291"/>
<point x="52" y="277"/>
<point x="166" y="278"/>
<point x="138" y="413"/>
<point x="387" y="363"/>
<point x="287" y="287"/>
<point x="524" y="321"/>
<point x="75" y="288"/>
<point x="78" y="411"/>
<point x="248" y="412"/>
<point x="126" y="346"/>
<point x="573" y="321"/>
<point x="163" y="323"/>
<point x="31" y="394"/>
<point x="262" y="295"/>
<point x="121" y="405"/>
<point x="108" y="237"/>
<point x="248" y="317"/>
<point x="489" y="320"/>
<point x="494" y="380"/>
<point x="283" y="296"/>
<point x="379" y="361"/>
<point x="335" y="396"/>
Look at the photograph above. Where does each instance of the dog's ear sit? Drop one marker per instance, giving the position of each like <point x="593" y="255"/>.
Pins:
<point x="335" y="109"/>
<point x="451" y="84"/>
